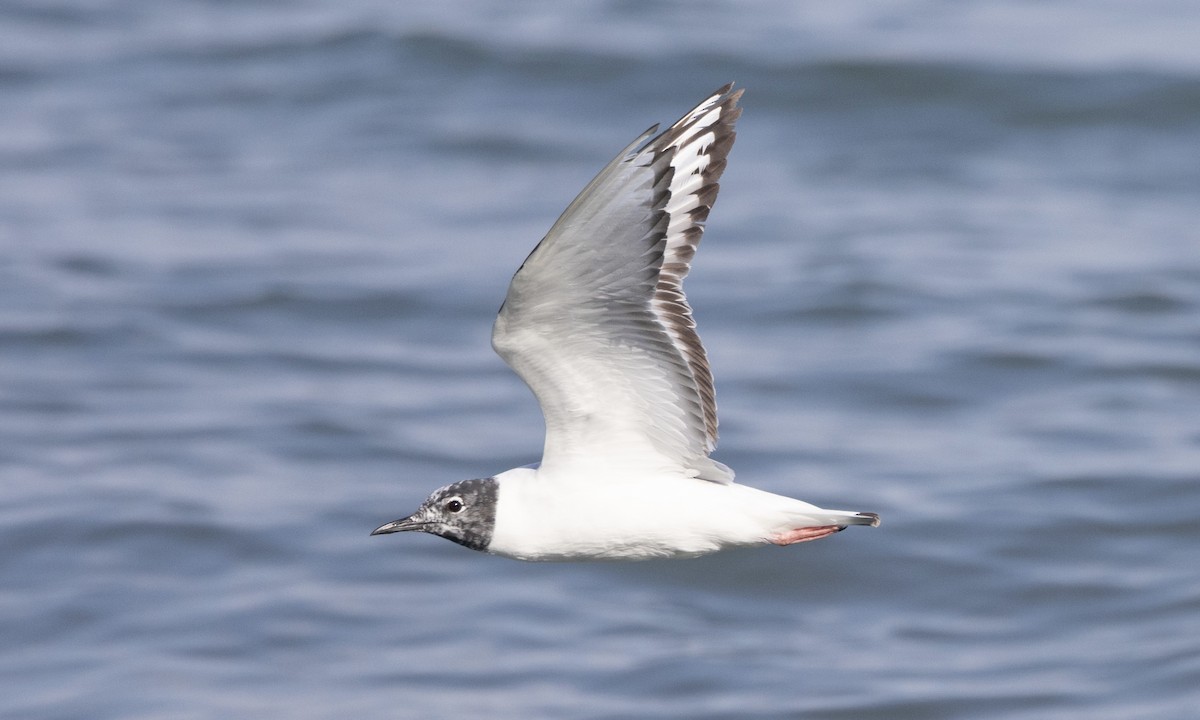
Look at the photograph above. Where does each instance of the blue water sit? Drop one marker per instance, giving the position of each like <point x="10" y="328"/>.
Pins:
<point x="250" y="254"/>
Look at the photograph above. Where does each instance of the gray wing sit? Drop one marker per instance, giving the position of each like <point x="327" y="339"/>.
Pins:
<point x="596" y="322"/>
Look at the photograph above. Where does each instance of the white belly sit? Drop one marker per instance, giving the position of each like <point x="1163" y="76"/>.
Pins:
<point x="551" y="519"/>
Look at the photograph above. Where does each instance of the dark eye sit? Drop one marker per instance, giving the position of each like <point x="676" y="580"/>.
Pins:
<point x="454" y="505"/>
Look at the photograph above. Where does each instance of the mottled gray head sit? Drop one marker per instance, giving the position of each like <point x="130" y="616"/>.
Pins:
<point x="464" y="512"/>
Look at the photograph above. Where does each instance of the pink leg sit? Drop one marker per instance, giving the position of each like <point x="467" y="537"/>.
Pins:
<point x="804" y="534"/>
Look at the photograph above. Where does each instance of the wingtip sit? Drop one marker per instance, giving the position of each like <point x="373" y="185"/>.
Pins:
<point x="725" y="97"/>
<point x="727" y="89"/>
<point x="726" y="93"/>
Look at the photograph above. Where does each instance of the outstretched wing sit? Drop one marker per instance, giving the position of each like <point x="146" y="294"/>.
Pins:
<point x="596" y="322"/>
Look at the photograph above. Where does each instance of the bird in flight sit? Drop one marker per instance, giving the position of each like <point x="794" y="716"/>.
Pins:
<point x="597" y="325"/>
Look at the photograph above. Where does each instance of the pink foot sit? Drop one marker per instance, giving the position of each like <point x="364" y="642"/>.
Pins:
<point x="804" y="534"/>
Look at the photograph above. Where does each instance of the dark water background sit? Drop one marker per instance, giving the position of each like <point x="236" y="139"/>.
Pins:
<point x="250" y="253"/>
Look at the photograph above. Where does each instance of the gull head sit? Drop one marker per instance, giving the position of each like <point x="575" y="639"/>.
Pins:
<point x="464" y="512"/>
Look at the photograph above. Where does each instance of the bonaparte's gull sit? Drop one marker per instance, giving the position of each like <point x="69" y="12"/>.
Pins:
<point x="596" y="324"/>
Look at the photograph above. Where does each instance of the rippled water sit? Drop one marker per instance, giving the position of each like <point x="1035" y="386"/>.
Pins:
<point x="249" y="258"/>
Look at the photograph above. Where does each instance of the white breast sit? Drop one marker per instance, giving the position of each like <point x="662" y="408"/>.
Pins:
<point x="633" y="518"/>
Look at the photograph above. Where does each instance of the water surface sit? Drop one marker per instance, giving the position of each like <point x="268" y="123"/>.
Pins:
<point x="250" y="254"/>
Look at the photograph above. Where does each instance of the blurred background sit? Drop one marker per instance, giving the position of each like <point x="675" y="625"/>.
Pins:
<point x="250" y="254"/>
